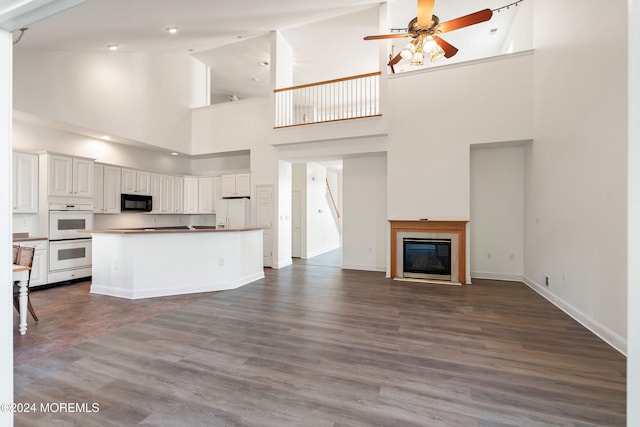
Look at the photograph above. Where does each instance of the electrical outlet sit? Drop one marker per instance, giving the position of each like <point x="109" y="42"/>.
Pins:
<point x="546" y="281"/>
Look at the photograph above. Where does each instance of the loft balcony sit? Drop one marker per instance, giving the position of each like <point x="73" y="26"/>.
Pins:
<point x="346" y="98"/>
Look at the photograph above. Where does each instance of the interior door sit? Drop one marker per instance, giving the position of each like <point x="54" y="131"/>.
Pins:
<point x="264" y="219"/>
<point x="296" y="223"/>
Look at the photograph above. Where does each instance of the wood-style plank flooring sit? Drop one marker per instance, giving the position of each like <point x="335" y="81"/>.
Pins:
<point x="318" y="346"/>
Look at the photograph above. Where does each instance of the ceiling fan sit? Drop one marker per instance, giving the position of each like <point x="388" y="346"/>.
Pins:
<point x="425" y="30"/>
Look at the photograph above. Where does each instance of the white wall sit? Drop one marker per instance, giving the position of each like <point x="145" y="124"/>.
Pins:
<point x="216" y="165"/>
<point x="322" y="232"/>
<point x="6" y="305"/>
<point x="141" y="97"/>
<point x="33" y="138"/>
<point x="497" y="212"/>
<point x="284" y="214"/>
<point x="576" y="174"/>
<point x="520" y="34"/>
<point x="633" y="221"/>
<point x="322" y="50"/>
<point x="365" y="240"/>
<point x="231" y="126"/>
<point x="428" y="156"/>
<point x="299" y="183"/>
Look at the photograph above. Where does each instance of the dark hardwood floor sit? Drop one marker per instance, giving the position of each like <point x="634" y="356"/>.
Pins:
<point x="318" y="346"/>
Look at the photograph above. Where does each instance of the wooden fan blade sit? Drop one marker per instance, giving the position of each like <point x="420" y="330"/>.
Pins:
<point x="465" y="21"/>
<point x="387" y="36"/>
<point x="425" y="12"/>
<point x="394" y="60"/>
<point x="449" y="49"/>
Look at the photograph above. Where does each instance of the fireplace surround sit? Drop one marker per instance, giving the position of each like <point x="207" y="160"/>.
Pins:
<point x="425" y="231"/>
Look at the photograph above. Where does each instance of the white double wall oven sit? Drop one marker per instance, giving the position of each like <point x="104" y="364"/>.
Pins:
<point x="69" y="249"/>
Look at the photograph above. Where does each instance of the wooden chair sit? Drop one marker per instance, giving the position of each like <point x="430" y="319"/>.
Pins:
<point x="24" y="258"/>
<point x="16" y="249"/>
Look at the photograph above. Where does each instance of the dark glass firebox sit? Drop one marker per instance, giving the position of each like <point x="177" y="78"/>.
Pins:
<point x="427" y="258"/>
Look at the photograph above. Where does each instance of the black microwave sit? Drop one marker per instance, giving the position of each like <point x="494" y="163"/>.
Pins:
<point x="135" y="203"/>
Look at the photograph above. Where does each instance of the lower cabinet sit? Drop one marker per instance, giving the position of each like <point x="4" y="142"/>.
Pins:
<point x="40" y="257"/>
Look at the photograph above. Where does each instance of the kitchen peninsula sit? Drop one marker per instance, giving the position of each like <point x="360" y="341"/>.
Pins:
<point x="145" y="263"/>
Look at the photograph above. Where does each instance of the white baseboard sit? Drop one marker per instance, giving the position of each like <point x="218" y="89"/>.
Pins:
<point x="497" y="276"/>
<point x="607" y="335"/>
<point x="320" y="251"/>
<point x="282" y="264"/>
<point x="364" y="267"/>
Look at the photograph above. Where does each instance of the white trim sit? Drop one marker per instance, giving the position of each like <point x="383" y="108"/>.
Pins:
<point x="364" y="267"/>
<point x="181" y="289"/>
<point x="606" y="334"/>
<point x="282" y="264"/>
<point x="497" y="276"/>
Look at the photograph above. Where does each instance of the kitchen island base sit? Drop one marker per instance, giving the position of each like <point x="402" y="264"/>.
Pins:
<point x="137" y="265"/>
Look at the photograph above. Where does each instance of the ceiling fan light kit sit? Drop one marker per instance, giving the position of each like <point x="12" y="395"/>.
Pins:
<point x="425" y="30"/>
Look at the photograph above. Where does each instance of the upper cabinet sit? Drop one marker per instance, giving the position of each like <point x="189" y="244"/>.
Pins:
<point x="25" y="183"/>
<point x="106" y="188"/>
<point x="136" y="182"/>
<point x="205" y="195"/>
<point x="190" y="195"/>
<point x="69" y="176"/>
<point x="236" y="185"/>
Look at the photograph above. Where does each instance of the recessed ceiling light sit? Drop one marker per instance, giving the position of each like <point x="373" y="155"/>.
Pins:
<point x="263" y="63"/>
<point x="172" y="30"/>
<point x="174" y="154"/>
<point x="106" y="137"/>
<point x="113" y="47"/>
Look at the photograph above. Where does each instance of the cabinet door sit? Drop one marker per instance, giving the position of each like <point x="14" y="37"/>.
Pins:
<point x="217" y="193"/>
<point x="243" y="185"/>
<point x="190" y="194"/>
<point x="60" y="171"/>
<point x="98" y="188"/>
<point x="39" y="268"/>
<point x="111" y="189"/>
<point x="205" y="195"/>
<point x="228" y="185"/>
<point x="143" y="182"/>
<point x="178" y="197"/>
<point x="157" y="185"/>
<point x="168" y="194"/>
<point x="129" y="181"/>
<point x="25" y="183"/>
<point x="82" y="177"/>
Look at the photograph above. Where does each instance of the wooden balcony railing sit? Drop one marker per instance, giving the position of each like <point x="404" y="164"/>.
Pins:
<point x="329" y="101"/>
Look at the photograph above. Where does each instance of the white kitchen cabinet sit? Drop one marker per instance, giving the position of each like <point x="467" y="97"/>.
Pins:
<point x="168" y="194"/>
<point x="190" y="195"/>
<point x="157" y="192"/>
<point x="69" y="176"/>
<point x="136" y="182"/>
<point x="217" y="193"/>
<point x="98" y="188"/>
<point x="178" y="196"/>
<point x="106" y="188"/>
<point x="236" y="185"/>
<point x="111" y="189"/>
<point x="40" y="257"/>
<point x="25" y="183"/>
<point x="205" y="195"/>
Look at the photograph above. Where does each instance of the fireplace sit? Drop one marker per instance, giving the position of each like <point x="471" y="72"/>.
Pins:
<point x="426" y="258"/>
<point x="436" y="251"/>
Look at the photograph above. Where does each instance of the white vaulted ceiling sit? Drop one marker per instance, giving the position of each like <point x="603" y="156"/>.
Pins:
<point x="232" y="38"/>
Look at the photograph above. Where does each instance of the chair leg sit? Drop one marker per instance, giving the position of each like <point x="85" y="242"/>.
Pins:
<point x="31" y="310"/>
<point x="16" y="303"/>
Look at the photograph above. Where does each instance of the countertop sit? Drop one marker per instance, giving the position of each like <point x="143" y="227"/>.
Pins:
<point x="167" y="230"/>
<point x="24" y="237"/>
